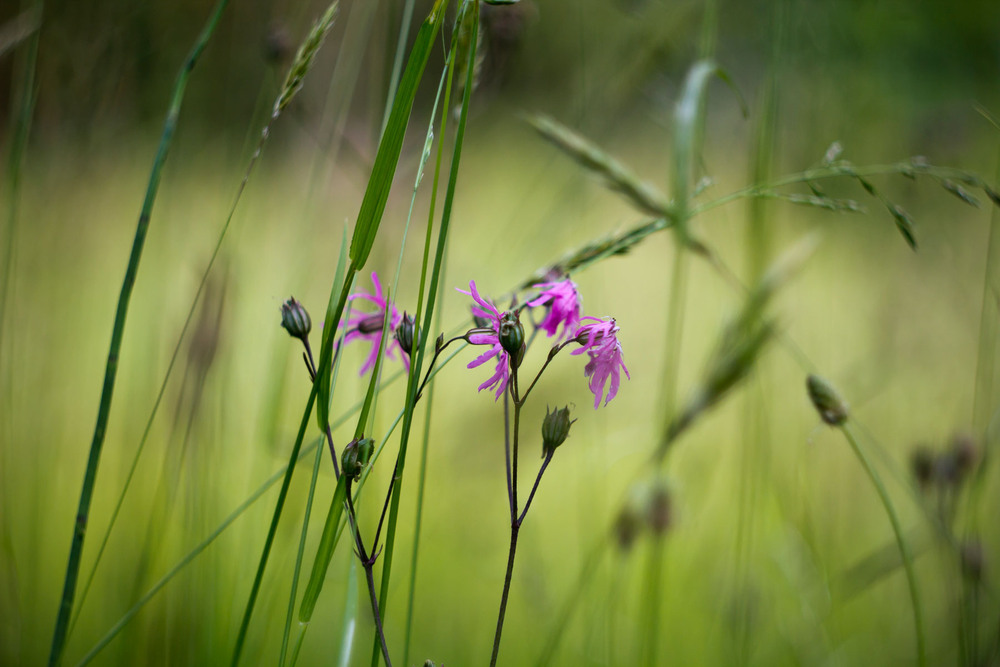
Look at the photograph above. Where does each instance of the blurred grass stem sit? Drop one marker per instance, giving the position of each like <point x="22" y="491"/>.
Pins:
<point x="111" y="369"/>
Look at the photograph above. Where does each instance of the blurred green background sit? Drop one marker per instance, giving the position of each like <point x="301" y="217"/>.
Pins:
<point x="778" y="553"/>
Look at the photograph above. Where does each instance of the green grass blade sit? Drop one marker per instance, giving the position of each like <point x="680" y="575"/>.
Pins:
<point x="350" y="616"/>
<point x="390" y="535"/>
<point x="191" y="555"/>
<point x="324" y="554"/>
<point x="299" y="555"/>
<point x="111" y="368"/>
<point x="377" y="192"/>
<point x="325" y="388"/>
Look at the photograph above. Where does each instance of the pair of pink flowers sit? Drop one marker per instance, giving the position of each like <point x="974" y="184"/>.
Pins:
<point x="597" y="337"/>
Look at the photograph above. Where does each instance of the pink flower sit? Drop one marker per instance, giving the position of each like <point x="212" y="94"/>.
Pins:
<point x="564" y="307"/>
<point x="488" y="335"/>
<point x="368" y="326"/>
<point x="600" y="341"/>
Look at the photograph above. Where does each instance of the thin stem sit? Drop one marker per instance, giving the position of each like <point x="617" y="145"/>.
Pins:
<point x="904" y="549"/>
<point x="430" y="368"/>
<point x="541" y="471"/>
<point x="506" y="590"/>
<point x="552" y="355"/>
<point x="311" y="363"/>
<point x="506" y="451"/>
<point x="369" y="565"/>
<point x="514" y="440"/>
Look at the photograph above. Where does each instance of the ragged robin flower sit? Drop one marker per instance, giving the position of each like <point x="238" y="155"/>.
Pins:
<point x="599" y="339"/>
<point x="489" y="317"/>
<point x="563" y="301"/>
<point x="368" y="326"/>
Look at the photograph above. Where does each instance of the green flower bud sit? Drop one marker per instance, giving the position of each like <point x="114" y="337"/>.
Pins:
<point x="555" y="428"/>
<point x="356" y="455"/>
<point x="831" y="407"/>
<point x="404" y="334"/>
<point x="295" y="319"/>
<point x="511" y="335"/>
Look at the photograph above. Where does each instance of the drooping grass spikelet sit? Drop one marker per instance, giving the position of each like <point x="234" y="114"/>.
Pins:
<point x="618" y="177"/>
<point x="304" y="57"/>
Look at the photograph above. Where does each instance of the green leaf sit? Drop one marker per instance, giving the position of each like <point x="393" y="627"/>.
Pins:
<point x="377" y="192"/>
<point x="324" y="554"/>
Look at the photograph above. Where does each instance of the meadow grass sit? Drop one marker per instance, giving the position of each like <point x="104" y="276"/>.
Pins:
<point x="628" y="555"/>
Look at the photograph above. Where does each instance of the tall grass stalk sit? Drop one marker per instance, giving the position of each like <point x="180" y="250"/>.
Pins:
<point x="755" y="451"/>
<point x="111" y="368"/>
<point x="468" y="11"/>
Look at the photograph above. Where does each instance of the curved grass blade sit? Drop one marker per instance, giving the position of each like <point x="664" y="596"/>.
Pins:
<point x="325" y="552"/>
<point x="688" y="128"/>
<point x="111" y="368"/>
<point x="377" y="192"/>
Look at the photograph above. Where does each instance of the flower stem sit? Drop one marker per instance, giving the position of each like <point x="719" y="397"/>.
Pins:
<point x="515" y="527"/>
<point x="541" y="471"/>
<point x="904" y="549"/>
<point x="369" y="565"/>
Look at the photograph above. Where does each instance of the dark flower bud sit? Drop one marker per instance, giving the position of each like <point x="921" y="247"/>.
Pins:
<point x="372" y="324"/>
<point x="555" y="428"/>
<point x="356" y="455"/>
<point x="973" y="560"/>
<point x="511" y="334"/>
<point x="439" y="343"/>
<point x="659" y="511"/>
<point x="628" y="525"/>
<point x="831" y="407"/>
<point x="963" y="449"/>
<point x="404" y="334"/>
<point x="295" y="319"/>
<point x="922" y="464"/>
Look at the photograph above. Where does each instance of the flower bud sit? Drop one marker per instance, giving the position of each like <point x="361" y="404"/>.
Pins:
<point x="627" y="527"/>
<point x="555" y="428"/>
<point x="659" y="511"/>
<point x="295" y="319"/>
<point x="831" y="407"/>
<point x="511" y="335"/>
<point x="963" y="448"/>
<point x="404" y="334"/>
<point x="356" y="456"/>
<point x="922" y="464"/>
<point x="973" y="560"/>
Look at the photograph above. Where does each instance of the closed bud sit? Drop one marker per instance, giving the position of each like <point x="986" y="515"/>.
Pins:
<point x="963" y="448"/>
<point x="511" y="335"/>
<point x="659" y="512"/>
<point x="922" y="463"/>
<point x="356" y="455"/>
<point x="831" y="407"/>
<point x="295" y="319"/>
<point x="555" y="428"/>
<point x="405" y="334"/>
<point x="973" y="560"/>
